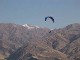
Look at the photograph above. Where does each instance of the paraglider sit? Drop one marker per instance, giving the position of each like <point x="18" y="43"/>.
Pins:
<point x="50" y="18"/>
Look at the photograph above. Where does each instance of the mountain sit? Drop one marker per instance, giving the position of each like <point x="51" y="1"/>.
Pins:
<point x="13" y="36"/>
<point x="71" y="34"/>
<point x="28" y="42"/>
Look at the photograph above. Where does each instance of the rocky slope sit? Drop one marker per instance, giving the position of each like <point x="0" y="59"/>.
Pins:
<point x="13" y="36"/>
<point x="39" y="51"/>
<point x="29" y="42"/>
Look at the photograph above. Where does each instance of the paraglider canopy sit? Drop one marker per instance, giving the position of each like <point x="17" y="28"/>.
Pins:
<point x="50" y="18"/>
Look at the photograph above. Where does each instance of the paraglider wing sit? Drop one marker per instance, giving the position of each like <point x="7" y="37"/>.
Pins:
<point x="50" y="18"/>
<point x="46" y="18"/>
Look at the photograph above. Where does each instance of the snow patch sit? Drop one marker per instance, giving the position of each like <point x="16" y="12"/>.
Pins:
<point x="30" y="26"/>
<point x="37" y="27"/>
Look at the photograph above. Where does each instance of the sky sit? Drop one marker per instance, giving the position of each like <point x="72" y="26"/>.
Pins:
<point x="33" y="12"/>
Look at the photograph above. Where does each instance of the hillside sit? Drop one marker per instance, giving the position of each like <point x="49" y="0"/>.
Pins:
<point x="13" y="36"/>
<point x="26" y="42"/>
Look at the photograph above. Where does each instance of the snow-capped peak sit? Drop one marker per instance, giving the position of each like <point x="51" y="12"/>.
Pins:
<point x="30" y="26"/>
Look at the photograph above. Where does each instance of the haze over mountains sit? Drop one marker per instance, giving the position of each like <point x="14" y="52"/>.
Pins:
<point x="27" y="42"/>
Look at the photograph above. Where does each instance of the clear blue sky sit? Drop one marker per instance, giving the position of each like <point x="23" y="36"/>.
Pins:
<point x="34" y="11"/>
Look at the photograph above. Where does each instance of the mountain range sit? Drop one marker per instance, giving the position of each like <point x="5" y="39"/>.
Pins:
<point x="28" y="42"/>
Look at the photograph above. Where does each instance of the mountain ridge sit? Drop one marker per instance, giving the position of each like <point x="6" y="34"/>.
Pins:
<point x="17" y="38"/>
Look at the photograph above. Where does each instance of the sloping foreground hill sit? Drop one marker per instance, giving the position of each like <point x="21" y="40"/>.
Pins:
<point x="37" y="52"/>
<point x="72" y="49"/>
